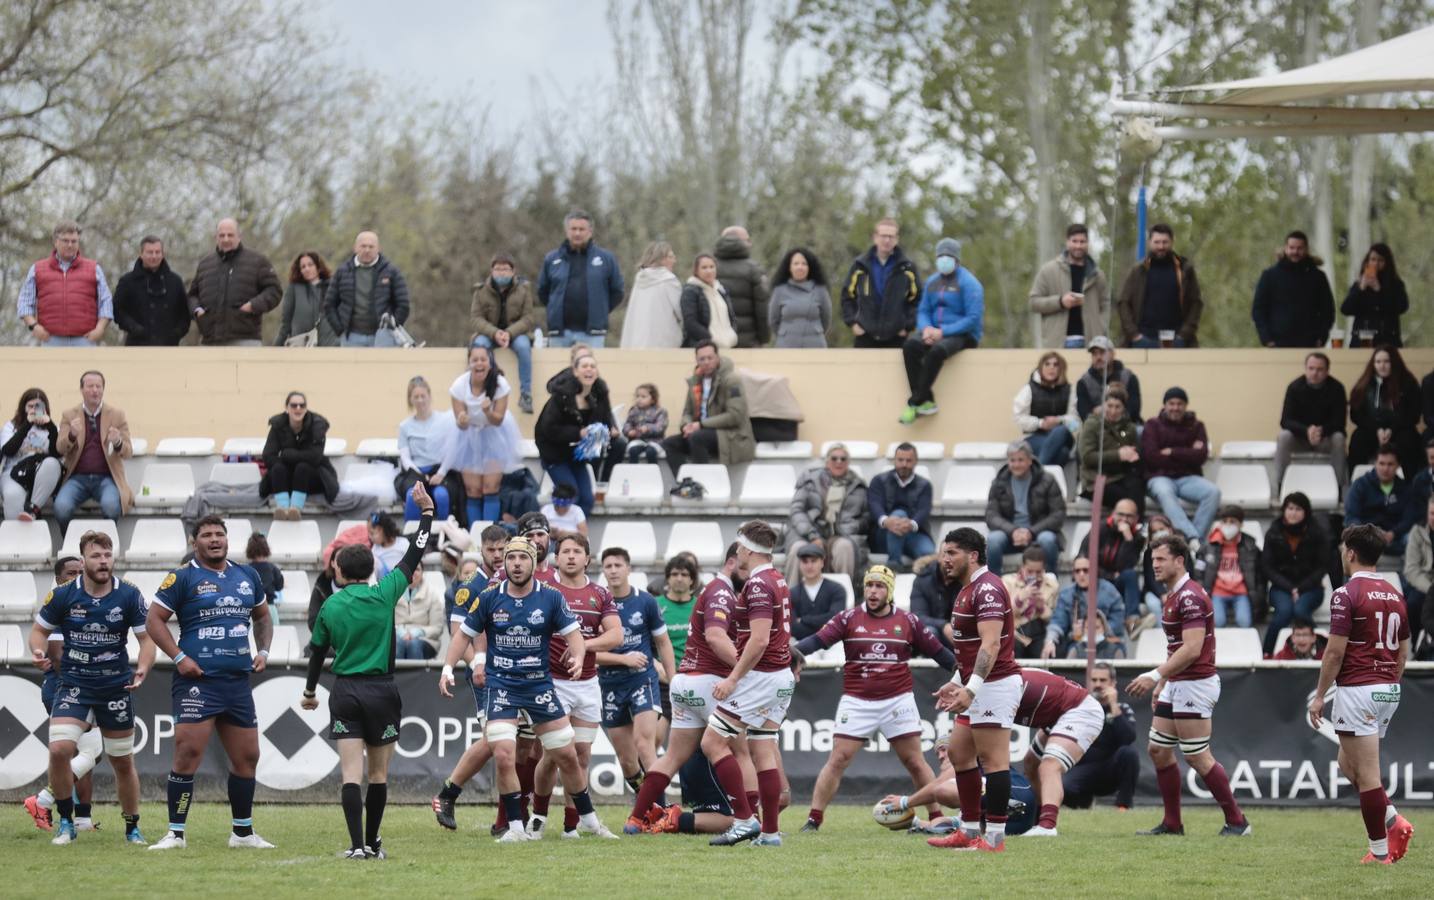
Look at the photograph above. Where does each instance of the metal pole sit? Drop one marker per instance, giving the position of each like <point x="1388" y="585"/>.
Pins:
<point x="1092" y="550"/>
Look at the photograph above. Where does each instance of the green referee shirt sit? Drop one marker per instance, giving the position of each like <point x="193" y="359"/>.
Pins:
<point x="357" y="622"/>
<point x="678" y="617"/>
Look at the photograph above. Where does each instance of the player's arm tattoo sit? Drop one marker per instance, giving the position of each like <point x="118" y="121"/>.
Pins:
<point x="983" y="664"/>
<point x="263" y="630"/>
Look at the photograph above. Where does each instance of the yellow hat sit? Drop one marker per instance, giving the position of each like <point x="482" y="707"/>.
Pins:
<point x="881" y="575"/>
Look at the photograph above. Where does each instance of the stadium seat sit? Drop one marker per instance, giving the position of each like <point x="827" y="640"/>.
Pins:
<point x="952" y="525"/>
<point x="855" y="449"/>
<point x="17" y="595"/>
<point x="1392" y="578"/>
<point x="967" y="485"/>
<point x="1284" y="635"/>
<point x="1317" y="481"/>
<point x="147" y="580"/>
<point x="239" y="531"/>
<point x="286" y="646"/>
<point x="1059" y="475"/>
<point x="158" y="541"/>
<point x="377" y="447"/>
<point x="843" y="580"/>
<point x="361" y="471"/>
<point x="335" y="446"/>
<point x="1247" y="486"/>
<point x="25" y="542"/>
<point x="12" y="646"/>
<point x="927" y="450"/>
<point x="1254" y="529"/>
<point x="295" y="542"/>
<point x="1362" y="470"/>
<point x="636" y="537"/>
<point x="295" y="594"/>
<point x="769" y="485"/>
<point x="243" y="446"/>
<point x="1078" y="539"/>
<point x="346" y="524"/>
<point x="184" y="446"/>
<point x="784" y="450"/>
<point x="138" y="446"/>
<point x="1247" y="450"/>
<point x="1150" y="646"/>
<point x="712" y="476"/>
<point x="904" y="583"/>
<point x="638" y="579"/>
<point x="979" y="450"/>
<point x="1237" y="646"/>
<point x="70" y="545"/>
<point x="704" y="538"/>
<point x="1321" y="612"/>
<point x="165" y="484"/>
<point x="634" y="485"/>
<point x="237" y="474"/>
<point x="530" y="448"/>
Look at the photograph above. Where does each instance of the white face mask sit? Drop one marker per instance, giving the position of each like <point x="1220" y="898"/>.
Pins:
<point x="1229" y="531"/>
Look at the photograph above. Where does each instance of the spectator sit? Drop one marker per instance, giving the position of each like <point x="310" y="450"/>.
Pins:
<point x="645" y="426"/>
<point x="1024" y="507"/>
<point x="814" y="598"/>
<point x="578" y="307"/>
<point x="1422" y="485"/>
<point x="301" y="313"/>
<point x="561" y="511"/>
<point x="1384" y="406"/>
<point x="424" y="442"/>
<point x="231" y="290"/>
<point x="1419" y="570"/>
<point x="948" y="320"/>
<point x="1070" y="295"/>
<point x="1157" y="525"/>
<point x="1229" y="568"/>
<point x="1295" y="559"/>
<point x="1107" y="646"/>
<point x="418" y="619"/>
<point x="488" y="443"/>
<point x="1033" y="598"/>
<point x="149" y="302"/>
<point x="1174" y="447"/>
<point x="1105" y="369"/>
<point x="578" y="410"/>
<point x="1045" y="411"/>
<point x="1121" y="547"/>
<point x="830" y="509"/>
<point x="1376" y="300"/>
<point x="1293" y="305"/>
<point x="1111" y="765"/>
<point x="503" y="315"/>
<point x="388" y="547"/>
<point x="1110" y="443"/>
<point x="1312" y="419"/>
<point x="800" y="314"/>
<point x="93" y="444"/>
<point x="1070" y="607"/>
<point x="61" y="312"/>
<point x="367" y="297"/>
<point x="1381" y="498"/>
<point x="880" y="294"/>
<point x="714" y="416"/>
<point x="706" y="306"/>
<point x="294" y="460"/>
<point x="745" y="285"/>
<point x="1160" y="303"/>
<point x="29" y="458"/>
<point x="653" y="320"/>
<point x="256" y="554"/>
<point x="934" y="591"/>
<point x="900" y="502"/>
<point x="1304" y="642"/>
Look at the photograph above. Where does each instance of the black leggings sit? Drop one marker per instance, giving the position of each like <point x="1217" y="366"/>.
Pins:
<point x="304" y="477"/>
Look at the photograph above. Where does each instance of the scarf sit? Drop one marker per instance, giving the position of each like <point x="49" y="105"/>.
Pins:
<point x="723" y="334"/>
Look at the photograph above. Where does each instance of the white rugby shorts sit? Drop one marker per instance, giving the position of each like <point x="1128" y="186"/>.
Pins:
<point x="582" y="699"/>
<point x="995" y="704"/>
<point x="1082" y="724"/>
<point x="1191" y="699"/>
<point x="1364" y="709"/>
<point x="761" y="697"/>
<point x="892" y="718"/>
<point x="691" y="696"/>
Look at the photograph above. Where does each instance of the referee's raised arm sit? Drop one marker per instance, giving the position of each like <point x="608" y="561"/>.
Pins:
<point x="419" y="544"/>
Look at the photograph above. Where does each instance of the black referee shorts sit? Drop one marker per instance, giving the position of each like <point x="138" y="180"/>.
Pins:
<point x="367" y="707"/>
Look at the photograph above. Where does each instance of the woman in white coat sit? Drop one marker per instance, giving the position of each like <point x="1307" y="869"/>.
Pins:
<point x="654" y="314"/>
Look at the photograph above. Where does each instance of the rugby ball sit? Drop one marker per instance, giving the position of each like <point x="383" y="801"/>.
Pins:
<point x="895" y="819"/>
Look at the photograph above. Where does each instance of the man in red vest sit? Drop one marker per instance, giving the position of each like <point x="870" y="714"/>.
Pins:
<point x="64" y="300"/>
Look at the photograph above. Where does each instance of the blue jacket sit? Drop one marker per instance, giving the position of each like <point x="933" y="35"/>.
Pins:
<point x="605" y="286"/>
<point x="885" y="495"/>
<point x="1107" y="600"/>
<point x="958" y="311"/>
<point x="1366" y="504"/>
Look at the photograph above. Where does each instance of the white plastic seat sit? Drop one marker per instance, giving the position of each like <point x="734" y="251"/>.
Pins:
<point x="346" y="524"/>
<point x="296" y="589"/>
<point x="237" y="474"/>
<point x="165" y="484"/>
<point x="1254" y="529"/>
<point x="855" y="449"/>
<point x="335" y="446"/>
<point x="243" y="446"/>
<point x="702" y="538"/>
<point x="951" y="525"/>
<point x="17" y="594"/>
<point x="159" y="541"/>
<point x="138" y="446"/>
<point x="13" y="647"/>
<point x="1316" y="481"/>
<point x="1247" y="450"/>
<point x="636" y="537"/>
<point x="784" y="450"/>
<point x="967" y="484"/>
<point x="1151" y="646"/>
<point x="25" y="542"/>
<point x="239" y="531"/>
<point x="184" y="446"/>
<point x="147" y="580"/>
<point x="1059" y="475"/>
<point x="70" y="545"/>
<point x="843" y="580"/>
<point x="904" y="582"/>
<point x="927" y="450"/>
<point x="286" y="647"/>
<point x="362" y="471"/>
<point x="769" y="485"/>
<point x="1237" y="646"/>
<point x="1078" y="540"/>
<point x="634" y="484"/>
<point x="1247" y="486"/>
<point x="979" y="450"/>
<point x="530" y="448"/>
<point x="1364" y="469"/>
<point x="372" y="447"/>
<point x="294" y="542"/>
<point x="712" y="476"/>
<point x="638" y="579"/>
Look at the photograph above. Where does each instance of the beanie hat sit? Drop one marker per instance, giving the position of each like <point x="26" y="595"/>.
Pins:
<point x="948" y="247"/>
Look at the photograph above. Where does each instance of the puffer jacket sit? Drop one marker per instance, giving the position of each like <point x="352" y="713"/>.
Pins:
<point x="1301" y="568"/>
<point x="1207" y="566"/>
<point x="1117" y="435"/>
<point x="806" y="522"/>
<point x="561" y="422"/>
<point x="389" y="295"/>
<point x="1184" y="459"/>
<point x="518" y="305"/>
<point x="747" y="290"/>
<point x="886" y="316"/>
<point x="222" y="283"/>
<point x="306" y="445"/>
<point x="1045" y="503"/>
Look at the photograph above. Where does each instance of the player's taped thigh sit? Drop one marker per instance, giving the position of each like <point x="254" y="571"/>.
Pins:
<point x="1195" y="746"/>
<point x="500" y="730"/>
<point x="558" y="738"/>
<point x="583" y="734"/>
<point x="1160" y="738"/>
<point x="763" y="734"/>
<point x="718" y="723"/>
<point x="66" y="732"/>
<point x="119" y="746"/>
<point x="1061" y="755"/>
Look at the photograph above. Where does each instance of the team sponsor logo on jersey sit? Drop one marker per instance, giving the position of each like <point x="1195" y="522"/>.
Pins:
<point x="527" y="661"/>
<point x="861" y="629"/>
<point x="461" y="597"/>
<point x="897" y="629"/>
<point x="244" y="589"/>
<point x="206" y="587"/>
<point x="48" y="597"/>
<point x="211" y="633"/>
<point x="536" y="617"/>
<point x="501" y="662"/>
<point x="500" y="617"/>
<point x="229" y="602"/>
<point x="239" y="631"/>
<point x="635" y="620"/>
<point x="114" y="615"/>
<point x="168" y="581"/>
<point x="194" y="692"/>
<point x="77" y="612"/>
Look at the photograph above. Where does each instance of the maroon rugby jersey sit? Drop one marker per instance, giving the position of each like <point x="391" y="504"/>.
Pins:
<point x="1185" y="607"/>
<point x="878" y="650"/>
<point x="1371" y="613"/>
<point x="765" y="596"/>
<point x="590" y="603"/>
<point x="712" y="607"/>
<point x="1045" y="697"/>
<point x="982" y="599"/>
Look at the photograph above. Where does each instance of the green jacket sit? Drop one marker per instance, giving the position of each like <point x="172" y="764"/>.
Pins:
<point x="726" y="414"/>
<point x="1117" y="435"/>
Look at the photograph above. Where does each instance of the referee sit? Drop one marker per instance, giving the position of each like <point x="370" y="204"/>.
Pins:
<point x="365" y="708"/>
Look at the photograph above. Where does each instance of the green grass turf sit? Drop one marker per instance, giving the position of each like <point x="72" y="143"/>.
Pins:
<point x="1294" y="853"/>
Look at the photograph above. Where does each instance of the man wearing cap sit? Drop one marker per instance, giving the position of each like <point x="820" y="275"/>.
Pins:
<point x="949" y="319"/>
<point x="815" y="599"/>
<point x="877" y="691"/>
<point x="1174" y="448"/>
<point x="1104" y="367"/>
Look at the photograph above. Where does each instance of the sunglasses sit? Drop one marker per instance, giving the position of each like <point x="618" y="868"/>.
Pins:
<point x="298" y="406"/>
<point x="837" y="458"/>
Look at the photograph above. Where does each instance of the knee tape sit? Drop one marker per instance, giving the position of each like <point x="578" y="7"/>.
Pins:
<point x="501" y="730"/>
<point x="1195" y="747"/>
<point x="719" y="724"/>
<point x="90" y="745"/>
<point x="1060" y="755"/>
<point x="763" y="734"/>
<point x="122" y="746"/>
<point x="584" y="734"/>
<point x="1161" y="739"/>
<point x="1038" y="743"/>
<point x="558" y="739"/>
<point x="66" y="732"/>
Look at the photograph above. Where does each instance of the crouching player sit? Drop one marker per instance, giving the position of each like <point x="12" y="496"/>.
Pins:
<point x="1064" y="720"/>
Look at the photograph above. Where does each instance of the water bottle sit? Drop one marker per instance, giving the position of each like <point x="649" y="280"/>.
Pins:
<point x="626" y="487"/>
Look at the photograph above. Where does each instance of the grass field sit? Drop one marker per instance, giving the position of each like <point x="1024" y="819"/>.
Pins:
<point x="1293" y="854"/>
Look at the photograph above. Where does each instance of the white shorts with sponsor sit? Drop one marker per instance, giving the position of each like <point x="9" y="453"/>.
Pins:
<point x="761" y="697"/>
<point x="1082" y="724"/>
<point x="1192" y="699"/>
<point x="692" y="702"/>
<point x="996" y="703"/>
<point x="892" y="718"/>
<point x="1364" y="709"/>
<point x="582" y="699"/>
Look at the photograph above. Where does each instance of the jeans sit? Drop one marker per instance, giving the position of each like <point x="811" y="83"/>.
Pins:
<point x="701" y="447"/>
<point x="1241" y="605"/>
<point x="440" y="499"/>
<point x="924" y="362"/>
<point x="567" y="338"/>
<point x="1170" y="491"/>
<point x="1284" y="606"/>
<point x="383" y="338"/>
<point x="1149" y="343"/>
<point x="641" y="451"/>
<point x="914" y="544"/>
<point x="575" y="474"/>
<point x="1288" y="443"/>
<point x="998" y="545"/>
<point x="1414" y="604"/>
<point x="1074" y="342"/>
<point x="522" y="347"/>
<point x="413" y="648"/>
<point x="78" y="340"/>
<point x="1052" y="448"/>
<point x="1128" y="582"/>
<point x="79" y="488"/>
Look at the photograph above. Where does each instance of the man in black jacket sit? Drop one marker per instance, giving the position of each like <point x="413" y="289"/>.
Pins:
<point x="881" y="291"/>
<point x="934" y="593"/>
<point x="149" y="300"/>
<point x="815" y="599"/>
<point x="231" y="290"/>
<point x="1293" y="306"/>
<point x="1312" y="419"/>
<point x="1111" y="765"/>
<point x="1105" y="369"/>
<point x="366" y="288"/>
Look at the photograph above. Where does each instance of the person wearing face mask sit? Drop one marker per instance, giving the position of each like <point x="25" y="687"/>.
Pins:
<point x="949" y="319"/>
<point x="1229" y="569"/>
<point x="1295" y="558"/>
<point x="503" y="316"/>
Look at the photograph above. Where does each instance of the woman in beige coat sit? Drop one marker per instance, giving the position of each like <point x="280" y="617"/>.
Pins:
<point x="418" y="619"/>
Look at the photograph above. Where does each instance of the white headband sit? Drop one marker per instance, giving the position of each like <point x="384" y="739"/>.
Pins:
<point x="753" y="546"/>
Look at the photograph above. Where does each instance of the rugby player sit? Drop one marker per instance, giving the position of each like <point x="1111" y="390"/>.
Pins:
<point x="1364" y="659"/>
<point x="218" y="603"/>
<point x="682" y="583"/>
<point x="1184" y="691"/>
<point x="628" y="674"/>
<point x="580" y="696"/>
<point x="985" y="692"/>
<point x="1065" y="719"/>
<point x="877" y="690"/>
<point x="365" y="707"/>
<point x="95" y="613"/>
